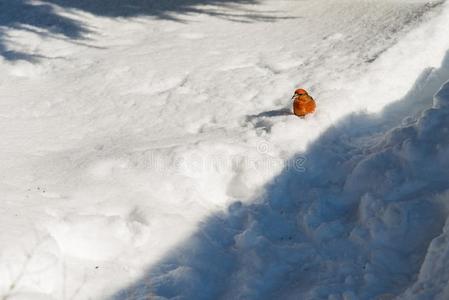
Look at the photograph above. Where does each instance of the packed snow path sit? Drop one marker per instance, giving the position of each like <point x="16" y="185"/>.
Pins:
<point x="147" y="151"/>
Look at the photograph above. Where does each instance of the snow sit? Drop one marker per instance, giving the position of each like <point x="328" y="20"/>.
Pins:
<point x="147" y="150"/>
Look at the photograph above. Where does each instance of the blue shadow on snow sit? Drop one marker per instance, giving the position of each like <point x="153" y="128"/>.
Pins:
<point x="358" y="220"/>
<point x="43" y="18"/>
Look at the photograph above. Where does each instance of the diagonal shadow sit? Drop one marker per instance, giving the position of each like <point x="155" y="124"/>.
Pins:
<point x="40" y="18"/>
<point x="357" y="222"/>
<point x="171" y="10"/>
<point x="43" y="18"/>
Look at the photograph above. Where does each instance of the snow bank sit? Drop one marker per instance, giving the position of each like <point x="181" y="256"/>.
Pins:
<point x="359" y="231"/>
<point x="433" y="277"/>
<point x="116" y="144"/>
<point x="364" y="221"/>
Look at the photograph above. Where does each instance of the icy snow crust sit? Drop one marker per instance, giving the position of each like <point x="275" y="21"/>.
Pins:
<point x="153" y="155"/>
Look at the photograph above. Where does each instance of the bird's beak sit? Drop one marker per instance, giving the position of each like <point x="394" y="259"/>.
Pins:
<point x="293" y="97"/>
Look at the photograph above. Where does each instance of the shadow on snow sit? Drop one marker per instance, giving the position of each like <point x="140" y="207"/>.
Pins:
<point x="43" y="18"/>
<point x="40" y="18"/>
<point x="358" y="220"/>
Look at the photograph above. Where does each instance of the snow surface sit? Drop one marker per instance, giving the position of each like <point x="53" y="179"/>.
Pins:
<point x="148" y="152"/>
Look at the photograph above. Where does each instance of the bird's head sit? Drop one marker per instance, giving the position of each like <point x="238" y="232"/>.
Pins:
<point x="299" y="92"/>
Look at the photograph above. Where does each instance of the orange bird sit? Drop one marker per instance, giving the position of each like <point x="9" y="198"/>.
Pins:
<point x="303" y="104"/>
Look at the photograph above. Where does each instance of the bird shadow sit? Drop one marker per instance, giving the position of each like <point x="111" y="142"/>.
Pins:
<point x="262" y="120"/>
<point x="323" y="221"/>
<point x="270" y="114"/>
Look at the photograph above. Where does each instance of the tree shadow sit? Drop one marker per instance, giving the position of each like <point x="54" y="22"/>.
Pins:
<point x="174" y="9"/>
<point x="40" y="18"/>
<point x="358" y="219"/>
<point x="44" y="19"/>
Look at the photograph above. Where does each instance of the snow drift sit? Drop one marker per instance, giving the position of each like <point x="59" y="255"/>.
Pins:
<point x="365" y="218"/>
<point x="104" y="121"/>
